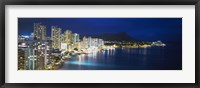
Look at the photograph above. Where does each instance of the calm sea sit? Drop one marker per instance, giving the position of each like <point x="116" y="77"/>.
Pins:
<point x="153" y="58"/>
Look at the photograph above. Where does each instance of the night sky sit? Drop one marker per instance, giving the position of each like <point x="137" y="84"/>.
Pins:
<point x="147" y="29"/>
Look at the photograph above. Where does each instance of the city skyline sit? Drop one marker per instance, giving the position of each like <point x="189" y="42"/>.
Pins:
<point x="93" y="49"/>
<point x="39" y="52"/>
<point x="147" y="29"/>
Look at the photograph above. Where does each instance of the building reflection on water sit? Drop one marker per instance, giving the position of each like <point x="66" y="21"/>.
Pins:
<point x="123" y="59"/>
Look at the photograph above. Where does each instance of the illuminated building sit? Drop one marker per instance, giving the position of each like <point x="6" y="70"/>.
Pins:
<point x="56" y="37"/>
<point x="94" y="42"/>
<point x="56" y="52"/>
<point x="68" y="36"/>
<point x="91" y="43"/>
<point x="43" y="55"/>
<point x="37" y="53"/>
<point x="63" y="46"/>
<point x="84" y="43"/>
<point x="29" y="54"/>
<point x="21" y="59"/>
<point x="75" y="41"/>
<point x="62" y="38"/>
<point x="75" y="38"/>
<point x="31" y="62"/>
<point x="68" y="39"/>
<point x="158" y="43"/>
<point x="39" y="31"/>
<point x="100" y="42"/>
<point x="23" y="38"/>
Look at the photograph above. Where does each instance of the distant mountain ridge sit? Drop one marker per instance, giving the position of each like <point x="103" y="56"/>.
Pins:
<point x="121" y="36"/>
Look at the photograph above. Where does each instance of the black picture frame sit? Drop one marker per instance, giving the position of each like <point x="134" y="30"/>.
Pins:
<point x="99" y="2"/>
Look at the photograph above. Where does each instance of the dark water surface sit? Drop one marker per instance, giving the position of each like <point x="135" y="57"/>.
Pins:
<point x="153" y="58"/>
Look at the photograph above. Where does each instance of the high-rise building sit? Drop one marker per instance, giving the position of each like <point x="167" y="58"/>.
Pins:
<point x="39" y="31"/>
<point x="31" y="60"/>
<point x="89" y="42"/>
<point x="28" y="46"/>
<point x="43" y="55"/>
<point x="62" y="38"/>
<point x="56" y="37"/>
<point x="75" y="38"/>
<point x="84" y="43"/>
<point x="100" y="42"/>
<point x="68" y="36"/>
<point x="68" y="39"/>
<point x="21" y="59"/>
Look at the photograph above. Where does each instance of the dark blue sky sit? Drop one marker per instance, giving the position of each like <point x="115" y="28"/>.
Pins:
<point x="148" y="29"/>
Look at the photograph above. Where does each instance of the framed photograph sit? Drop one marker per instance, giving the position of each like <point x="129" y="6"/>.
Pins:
<point x="87" y="43"/>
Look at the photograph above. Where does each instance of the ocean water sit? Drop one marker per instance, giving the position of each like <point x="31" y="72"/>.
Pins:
<point x="152" y="58"/>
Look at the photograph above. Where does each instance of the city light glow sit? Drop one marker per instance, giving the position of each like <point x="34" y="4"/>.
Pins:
<point x="97" y="42"/>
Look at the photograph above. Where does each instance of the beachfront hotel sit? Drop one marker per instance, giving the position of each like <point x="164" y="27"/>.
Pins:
<point x="39" y="52"/>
